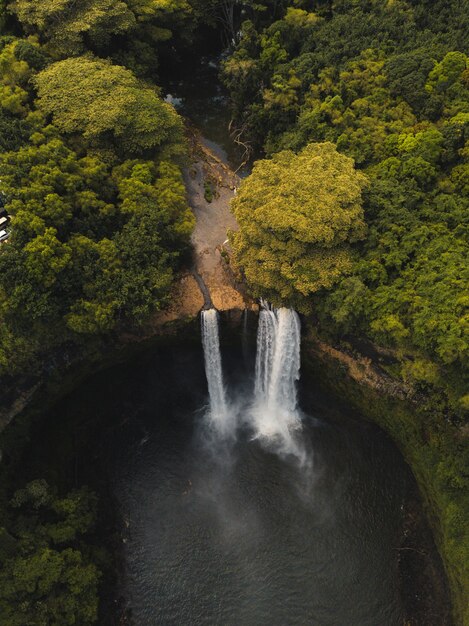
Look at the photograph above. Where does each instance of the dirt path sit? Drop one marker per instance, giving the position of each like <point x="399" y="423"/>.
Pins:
<point x="209" y="176"/>
<point x="210" y="283"/>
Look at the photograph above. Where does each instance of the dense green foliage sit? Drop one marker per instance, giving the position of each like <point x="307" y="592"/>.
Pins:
<point x="108" y="106"/>
<point x="90" y="177"/>
<point x="388" y="84"/>
<point x="91" y="246"/>
<point x="47" y="574"/>
<point x="297" y="214"/>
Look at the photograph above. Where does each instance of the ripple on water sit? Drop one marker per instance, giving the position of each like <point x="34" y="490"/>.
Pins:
<point x="251" y="541"/>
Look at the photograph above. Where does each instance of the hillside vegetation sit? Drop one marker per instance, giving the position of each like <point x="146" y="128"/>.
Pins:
<point x="89" y="173"/>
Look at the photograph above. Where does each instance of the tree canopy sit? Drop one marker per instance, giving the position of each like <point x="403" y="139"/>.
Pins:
<point x="107" y="103"/>
<point x="96" y="238"/>
<point x="46" y="574"/>
<point x="90" y="246"/>
<point x="389" y="87"/>
<point x="297" y="214"/>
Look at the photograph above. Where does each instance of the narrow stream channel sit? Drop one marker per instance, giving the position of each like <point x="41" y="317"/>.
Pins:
<point x="200" y="97"/>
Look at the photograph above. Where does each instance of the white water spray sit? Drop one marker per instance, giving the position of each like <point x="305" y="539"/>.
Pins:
<point x="218" y="409"/>
<point x="275" y="416"/>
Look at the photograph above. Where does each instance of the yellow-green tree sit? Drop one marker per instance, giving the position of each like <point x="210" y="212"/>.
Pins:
<point x="297" y="215"/>
<point x="68" y="26"/>
<point x="109" y="106"/>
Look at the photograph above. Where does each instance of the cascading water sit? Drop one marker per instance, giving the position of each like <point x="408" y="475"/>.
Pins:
<point x="218" y="413"/>
<point x="285" y="368"/>
<point x="275" y="416"/>
<point x="266" y="332"/>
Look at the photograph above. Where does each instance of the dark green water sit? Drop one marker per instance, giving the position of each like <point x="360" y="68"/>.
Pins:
<point x="200" y="97"/>
<point x="232" y="537"/>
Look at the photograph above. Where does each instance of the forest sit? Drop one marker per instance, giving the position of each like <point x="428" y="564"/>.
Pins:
<point x="355" y="115"/>
<point x="388" y="84"/>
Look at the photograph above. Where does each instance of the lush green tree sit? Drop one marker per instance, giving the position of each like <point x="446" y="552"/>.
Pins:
<point x="46" y="573"/>
<point x="3" y="14"/>
<point x="402" y="116"/>
<point x="297" y="215"/>
<point x="90" y="248"/>
<point x="68" y="26"/>
<point x="129" y="277"/>
<point x="47" y="185"/>
<point x="109" y="106"/>
<point x="18" y="60"/>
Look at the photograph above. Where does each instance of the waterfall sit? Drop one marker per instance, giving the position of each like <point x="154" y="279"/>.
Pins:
<point x="275" y="416"/>
<point x="218" y="413"/>
<point x="245" y="338"/>
<point x="266" y="333"/>
<point x="272" y="414"/>
<point x="285" y="368"/>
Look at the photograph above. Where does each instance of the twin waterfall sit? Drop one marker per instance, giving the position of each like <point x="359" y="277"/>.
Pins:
<point x="278" y="358"/>
<point x="272" y="413"/>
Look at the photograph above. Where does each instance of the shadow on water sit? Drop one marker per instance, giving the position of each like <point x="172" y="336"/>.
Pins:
<point x="246" y="538"/>
<point x="237" y="535"/>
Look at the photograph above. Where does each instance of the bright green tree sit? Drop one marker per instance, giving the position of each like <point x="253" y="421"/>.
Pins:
<point x="46" y="573"/>
<point x="90" y="248"/>
<point x="109" y="106"/>
<point x="68" y="25"/>
<point x="297" y="215"/>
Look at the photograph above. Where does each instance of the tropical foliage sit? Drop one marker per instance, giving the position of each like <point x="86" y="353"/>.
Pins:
<point x="389" y="86"/>
<point x="47" y="574"/>
<point x="90" y="176"/>
<point x="297" y="214"/>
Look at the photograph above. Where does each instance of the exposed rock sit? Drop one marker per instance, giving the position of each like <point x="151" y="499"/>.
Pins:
<point x="7" y="413"/>
<point x="214" y="220"/>
<point x="364" y="371"/>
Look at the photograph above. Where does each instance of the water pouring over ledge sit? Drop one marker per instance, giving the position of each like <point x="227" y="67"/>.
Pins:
<point x="275" y="417"/>
<point x="272" y="414"/>
<point x="218" y="414"/>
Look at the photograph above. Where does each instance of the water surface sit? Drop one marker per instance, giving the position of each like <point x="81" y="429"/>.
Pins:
<point x="238" y="536"/>
<point x="231" y="536"/>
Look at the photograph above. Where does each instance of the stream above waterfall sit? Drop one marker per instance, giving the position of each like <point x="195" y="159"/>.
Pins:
<point x="197" y="93"/>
